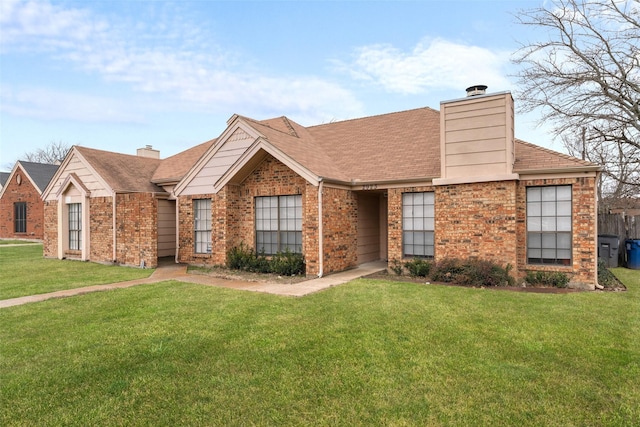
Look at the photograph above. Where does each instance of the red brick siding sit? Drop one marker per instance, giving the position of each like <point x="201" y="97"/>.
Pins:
<point x="136" y="230"/>
<point x="28" y="193"/>
<point x="186" y="243"/>
<point x="50" y="240"/>
<point x="583" y="271"/>
<point x="273" y="178"/>
<point x="101" y="229"/>
<point x="233" y="214"/>
<point x="340" y="221"/>
<point x="488" y="221"/>
<point x="477" y="220"/>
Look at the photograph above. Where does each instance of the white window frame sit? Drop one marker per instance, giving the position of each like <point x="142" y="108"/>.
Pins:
<point x="418" y="225"/>
<point x="549" y="225"/>
<point x="202" y="226"/>
<point x="278" y="224"/>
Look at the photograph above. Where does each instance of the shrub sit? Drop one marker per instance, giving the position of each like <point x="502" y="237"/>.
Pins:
<point x="547" y="278"/>
<point x="284" y="263"/>
<point x="396" y="267"/>
<point x="287" y="263"/>
<point x="240" y="257"/>
<point x="605" y="277"/>
<point x="448" y="270"/>
<point x="472" y="272"/>
<point x="418" y="267"/>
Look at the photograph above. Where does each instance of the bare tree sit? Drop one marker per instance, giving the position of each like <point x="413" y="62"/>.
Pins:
<point x="585" y="78"/>
<point x="53" y="153"/>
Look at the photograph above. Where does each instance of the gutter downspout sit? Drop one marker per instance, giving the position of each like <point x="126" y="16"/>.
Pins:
<point x="177" y="254"/>
<point x="320" y="229"/>
<point x="115" y="222"/>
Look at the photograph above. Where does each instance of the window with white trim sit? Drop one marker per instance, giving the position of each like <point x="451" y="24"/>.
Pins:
<point x="418" y="218"/>
<point x="549" y="231"/>
<point x="202" y="226"/>
<point x="75" y="226"/>
<point x="279" y="224"/>
<point x="20" y="217"/>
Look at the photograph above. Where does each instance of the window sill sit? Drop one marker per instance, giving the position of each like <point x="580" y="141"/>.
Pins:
<point x="548" y="266"/>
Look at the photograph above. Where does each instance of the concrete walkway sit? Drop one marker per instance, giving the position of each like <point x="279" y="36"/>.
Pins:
<point x="179" y="272"/>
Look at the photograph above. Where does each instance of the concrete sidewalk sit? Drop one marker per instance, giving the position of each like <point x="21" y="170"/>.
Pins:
<point x="179" y="272"/>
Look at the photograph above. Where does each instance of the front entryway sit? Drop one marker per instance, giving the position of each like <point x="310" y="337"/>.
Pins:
<point x="166" y="228"/>
<point x="372" y="227"/>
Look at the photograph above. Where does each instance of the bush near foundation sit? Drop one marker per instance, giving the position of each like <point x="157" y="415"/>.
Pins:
<point x="555" y="279"/>
<point x="472" y="272"/>
<point x="467" y="272"/>
<point x="418" y="267"/>
<point x="285" y="263"/>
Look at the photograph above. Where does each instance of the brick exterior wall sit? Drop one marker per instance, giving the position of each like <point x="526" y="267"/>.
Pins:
<point x="136" y="230"/>
<point x="488" y="221"/>
<point x="477" y="221"/>
<point x="583" y="270"/>
<point x="24" y="192"/>
<point x="101" y="229"/>
<point x="340" y="222"/>
<point x="186" y="244"/>
<point x="233" y="215"/>
<point x="50" y="240"/>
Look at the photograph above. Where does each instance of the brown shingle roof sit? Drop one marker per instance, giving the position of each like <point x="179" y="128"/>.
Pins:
<point x="389" y="147"/>
<point x="174" y="168"/>
<point x="530" y="157"/>
<point x="123" y="172"/>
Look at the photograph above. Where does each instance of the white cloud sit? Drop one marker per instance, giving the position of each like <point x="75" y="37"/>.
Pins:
<point x="431" y="64"/>
<point x="47" y="104"/>
<point x="167" y="57"/>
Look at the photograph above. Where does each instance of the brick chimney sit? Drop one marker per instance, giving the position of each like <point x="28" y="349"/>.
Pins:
<point x="477" y="138"/>
<point x="148" y="151"/>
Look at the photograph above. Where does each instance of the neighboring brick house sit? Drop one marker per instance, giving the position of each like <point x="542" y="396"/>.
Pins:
<point x="4" y="176"/>
<point x="21" y="208"/>
<point x="417" y="183"/>
<point x="114" y="208"/>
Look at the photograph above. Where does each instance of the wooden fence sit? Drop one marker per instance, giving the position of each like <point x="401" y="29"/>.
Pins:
<point x="623" y="226"/>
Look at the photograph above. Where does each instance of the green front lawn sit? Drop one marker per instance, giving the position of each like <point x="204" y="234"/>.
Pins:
<point x="23" y="271"/>
<point x="364" y="353"/>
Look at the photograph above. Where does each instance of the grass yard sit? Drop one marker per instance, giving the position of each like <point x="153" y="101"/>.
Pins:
<point x="366" y="353"/>
<point x="23" y="271"/>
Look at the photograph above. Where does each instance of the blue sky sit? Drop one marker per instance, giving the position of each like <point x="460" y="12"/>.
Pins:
<point x="119" y="75"/>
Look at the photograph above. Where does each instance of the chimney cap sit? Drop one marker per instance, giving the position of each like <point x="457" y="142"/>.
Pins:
<point x="476" y="90"/>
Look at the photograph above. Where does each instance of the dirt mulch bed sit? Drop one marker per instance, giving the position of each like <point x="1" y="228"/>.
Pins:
<point x="226" y="273"/>
<point x="533" y="289"/>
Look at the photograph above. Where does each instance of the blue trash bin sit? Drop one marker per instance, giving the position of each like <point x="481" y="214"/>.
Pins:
<point x="633" y="253"/>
